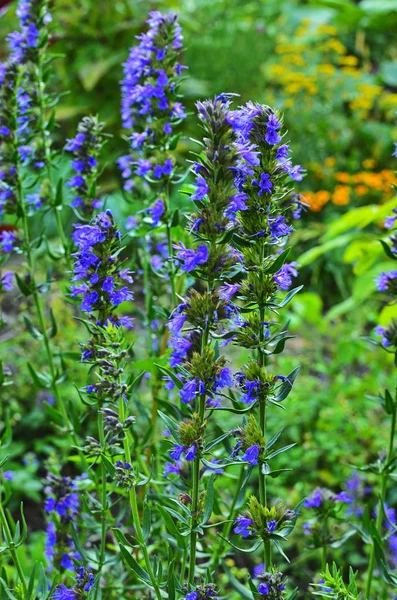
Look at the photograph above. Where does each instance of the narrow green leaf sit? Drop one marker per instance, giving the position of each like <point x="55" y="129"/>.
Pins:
<point x="171" y="425"/>
<point x="209" y="500"/>
<point x="131" y="562"/>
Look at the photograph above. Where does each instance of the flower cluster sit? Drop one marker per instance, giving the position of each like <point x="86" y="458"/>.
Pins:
<point x="101" y="281"/>
<point x="251" y="441"/>
<point x="203" y="313"/>
<point x="272" y="586"/>
<point x="9" y="177"/>
<point x="25" y="43"/>
<point x="85" y="147"/>
<point x="6" y="281"/>
<point x="203" y="592"/>
<point x="62" y="504"/>
<point x="150" y="105"/>
<point x="386" y="282"/>
<point x="262" y="521"/>
<point x="84" y="582"/>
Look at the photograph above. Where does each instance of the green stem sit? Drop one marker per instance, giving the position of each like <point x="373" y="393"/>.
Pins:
<point x="42" y="327"/>
<point x="104" y="507"/>
<point x="268" y="554"/>
<point x="171" y="271"/>
<point x="382" y="497"/>
<point x="323" y="558"/>
<point x="228" y="525"/>
<point x="183" y="565"/>
<point x="12" y="549"/>
<point x="195" y="501"/>
<point x="196" y="481"/>
<point x="47" y="158"/>
<point x="135" y="513"/>
<point x="262" y="424"/>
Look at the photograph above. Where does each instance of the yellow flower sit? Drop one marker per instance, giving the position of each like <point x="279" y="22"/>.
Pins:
<point x="330" y="161"/>
<point x="327" y="29"/>
<point x="389" y="100"/>
<point x="326" y="69"/>
<point x="350" y="71"/>
<point x="369" y="163"/>
<point x="333" y="45"/>
<point x="295" y="59"/>
<point x="293" y="88"/>
<point x="277" y="69"/>
<point x="349" y="61"/>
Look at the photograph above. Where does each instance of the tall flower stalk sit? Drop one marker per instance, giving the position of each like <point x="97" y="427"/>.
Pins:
<point x="29" y="48"/>
<point x="152" y="110"/>
<point x="263" y="224"/>
<point x="13" y="202"/>
<point x="103" y="286"/>
<point x="85" y="148"/>
<point x="384" y="466"/>
<point x="194" y="324"/>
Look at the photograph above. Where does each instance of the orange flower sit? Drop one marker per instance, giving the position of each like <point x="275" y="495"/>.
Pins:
<point x="341" y="195"/>
<point x="342" y="177"/>
<point x="316" y="200"/>
<point x="361" y="190"/>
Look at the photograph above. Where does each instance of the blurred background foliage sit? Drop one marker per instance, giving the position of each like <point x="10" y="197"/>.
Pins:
<point x="330" y="66"/>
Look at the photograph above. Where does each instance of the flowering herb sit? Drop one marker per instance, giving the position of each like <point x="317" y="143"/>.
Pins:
<point x="220" y="284"/>
<point x="62" y="505"/>
<point x="150" y="101"/>
<point x="383" y="469"/>
<point x="85" y="148"/>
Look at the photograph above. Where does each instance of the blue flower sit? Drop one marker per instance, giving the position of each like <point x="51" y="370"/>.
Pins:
<point x="344" y="497"/>
<point x="202" y="189"/>
<point x="386" y="281"/>
<point x="85" y="148"/>
<point x="251" y="455"/>
<point x="188" y="391"/>
<point x="191" y="452"/>
<point x="156" y="211"/>
<point x="6" y="281"/>
<point x="150" y="91"/>
<point x="258" y="569"/>
<point x="177" y="452"/>
<point x="263" y="589"/>
<point x="63" y="593"/>
<point x="265" y="184"/>
<point x="283" y="277"/>
<point x="190" y="259"/>
<point x="279" y="227"/>
<point x="223" y="379"/>
<point x="315" y="500"/>
<point x="242" y="526"/>
<point x="172" y="468"/>
<point x="7" y="241"/>
<point x="271" y="525"/>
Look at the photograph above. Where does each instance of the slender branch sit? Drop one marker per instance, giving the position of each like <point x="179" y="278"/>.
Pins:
<point x="47" y="156"/>
<point x="384" y="477"/>
<point x="228" y="525"/>
<point x="12" y="548"/>
<point x="104" y="507"/>
<point x="135" y="513"/>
